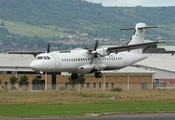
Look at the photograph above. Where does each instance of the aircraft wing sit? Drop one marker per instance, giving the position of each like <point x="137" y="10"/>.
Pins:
<point x="130" y="47"/>
<point x="32" y="53"/>
<point x="106" y="51"/>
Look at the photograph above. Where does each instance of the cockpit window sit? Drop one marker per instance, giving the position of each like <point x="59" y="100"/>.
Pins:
<point x="39" y="57"/>
<point x="45" y="57"/>
<point x="42" y="57"/>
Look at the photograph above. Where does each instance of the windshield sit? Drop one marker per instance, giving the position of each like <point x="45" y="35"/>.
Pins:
<point x="42" y="57"/>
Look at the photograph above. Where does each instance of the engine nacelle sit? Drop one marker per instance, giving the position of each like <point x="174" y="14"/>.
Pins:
<point x="85" y="69"/>
<point x="102" y="52"/>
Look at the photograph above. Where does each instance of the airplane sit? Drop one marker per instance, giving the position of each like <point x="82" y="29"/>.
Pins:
<point x="87" y="61"/>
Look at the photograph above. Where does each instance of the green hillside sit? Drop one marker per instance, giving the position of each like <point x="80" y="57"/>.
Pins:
<point x="18" y="27"/>
<point x="52" y="18"/>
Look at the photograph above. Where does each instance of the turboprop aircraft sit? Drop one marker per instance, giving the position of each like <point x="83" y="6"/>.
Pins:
<point x="86" y="61"/>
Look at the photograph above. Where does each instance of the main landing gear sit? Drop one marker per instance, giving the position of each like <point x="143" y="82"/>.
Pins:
<point x="74" y="76"/>
<point x="98" y="74"/>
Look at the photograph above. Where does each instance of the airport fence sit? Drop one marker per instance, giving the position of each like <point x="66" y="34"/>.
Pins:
<point x="78" y="87"/>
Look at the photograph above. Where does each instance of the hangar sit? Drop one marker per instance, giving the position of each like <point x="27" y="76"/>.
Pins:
<point x="164" y="65"/>
<point x="128" y="78"/>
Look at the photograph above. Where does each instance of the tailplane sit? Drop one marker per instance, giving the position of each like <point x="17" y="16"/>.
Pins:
<point x="139" y="34"/>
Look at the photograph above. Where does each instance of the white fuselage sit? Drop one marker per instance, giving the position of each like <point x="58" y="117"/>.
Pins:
<point x="81" y="61"/>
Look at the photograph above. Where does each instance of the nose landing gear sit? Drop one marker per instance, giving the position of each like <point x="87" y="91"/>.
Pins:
<point x="38" y="76"/>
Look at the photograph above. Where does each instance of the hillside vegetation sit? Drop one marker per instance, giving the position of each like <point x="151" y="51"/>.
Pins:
<point x="77" y="16"/>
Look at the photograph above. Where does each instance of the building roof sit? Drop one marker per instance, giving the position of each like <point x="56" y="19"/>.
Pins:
<point x="159" y="61"/>
<point x="167" y="48"/>
<point x="130" y="70"/>
<point x="13" y="62"/>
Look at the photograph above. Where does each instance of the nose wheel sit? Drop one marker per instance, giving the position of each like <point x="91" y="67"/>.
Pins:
<point x="38" y="76"/>
<point x="98" y="74"/>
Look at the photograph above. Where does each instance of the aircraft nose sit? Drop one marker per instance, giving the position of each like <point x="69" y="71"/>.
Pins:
<point x="33" y="66"/>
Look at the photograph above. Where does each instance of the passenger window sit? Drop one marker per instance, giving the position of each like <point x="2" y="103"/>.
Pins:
<point x="48" y="57"/>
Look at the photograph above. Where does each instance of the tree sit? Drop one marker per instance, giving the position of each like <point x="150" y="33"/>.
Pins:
<point x="2" y="24"/>
<point x="81" y="80"/>
<point x="36" y="81"/>
<point x="23" y="81"/>
<point x="13" y="80"/>
<point x="0" y="82"/>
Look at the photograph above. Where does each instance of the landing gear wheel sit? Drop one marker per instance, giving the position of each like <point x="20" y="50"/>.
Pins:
<point x="98" y="74"/>
<point x="38" y="76"/>
<point x="74" y="76"/>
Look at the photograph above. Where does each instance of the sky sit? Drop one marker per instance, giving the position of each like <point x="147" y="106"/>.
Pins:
<point x="129" y="3"/>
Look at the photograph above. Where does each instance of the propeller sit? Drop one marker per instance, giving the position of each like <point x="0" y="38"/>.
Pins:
<point x="94" y="51"/>
<point x="96" y="45"/>
<point x="48" y="48"/>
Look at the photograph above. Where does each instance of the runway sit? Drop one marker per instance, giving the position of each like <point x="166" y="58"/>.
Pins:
<point x="152" y="116"/>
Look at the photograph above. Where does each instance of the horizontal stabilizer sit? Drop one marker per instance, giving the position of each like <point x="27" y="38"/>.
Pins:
<point x="148" y="27"/>
<point x="140" y="28"/>
<point x="127" y="29"/>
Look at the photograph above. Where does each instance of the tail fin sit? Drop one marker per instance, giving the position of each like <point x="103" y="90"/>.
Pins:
<point x="139" y="34"/>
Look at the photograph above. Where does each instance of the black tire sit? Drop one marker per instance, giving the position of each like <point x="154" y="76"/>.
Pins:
<point x="98" y="74"/>
<point x="74" y="76"/>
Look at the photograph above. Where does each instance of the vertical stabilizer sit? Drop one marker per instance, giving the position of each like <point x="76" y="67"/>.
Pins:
<point x="139" y="33"/>
<point x="138" y="36"/>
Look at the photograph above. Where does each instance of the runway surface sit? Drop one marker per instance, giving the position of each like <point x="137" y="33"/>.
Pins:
<point x="152" y="116"/>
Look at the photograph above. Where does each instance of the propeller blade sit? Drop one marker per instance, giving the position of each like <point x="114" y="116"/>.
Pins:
<point x="94" y="51"/>
<point x="96" y="45"/>
<point x="48" y="48"/>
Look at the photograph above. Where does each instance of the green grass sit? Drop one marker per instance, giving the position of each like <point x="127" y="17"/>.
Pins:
<point x="21" y="28"/>
<point x="69" y="110"/>
<point x="72" y="103"/>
